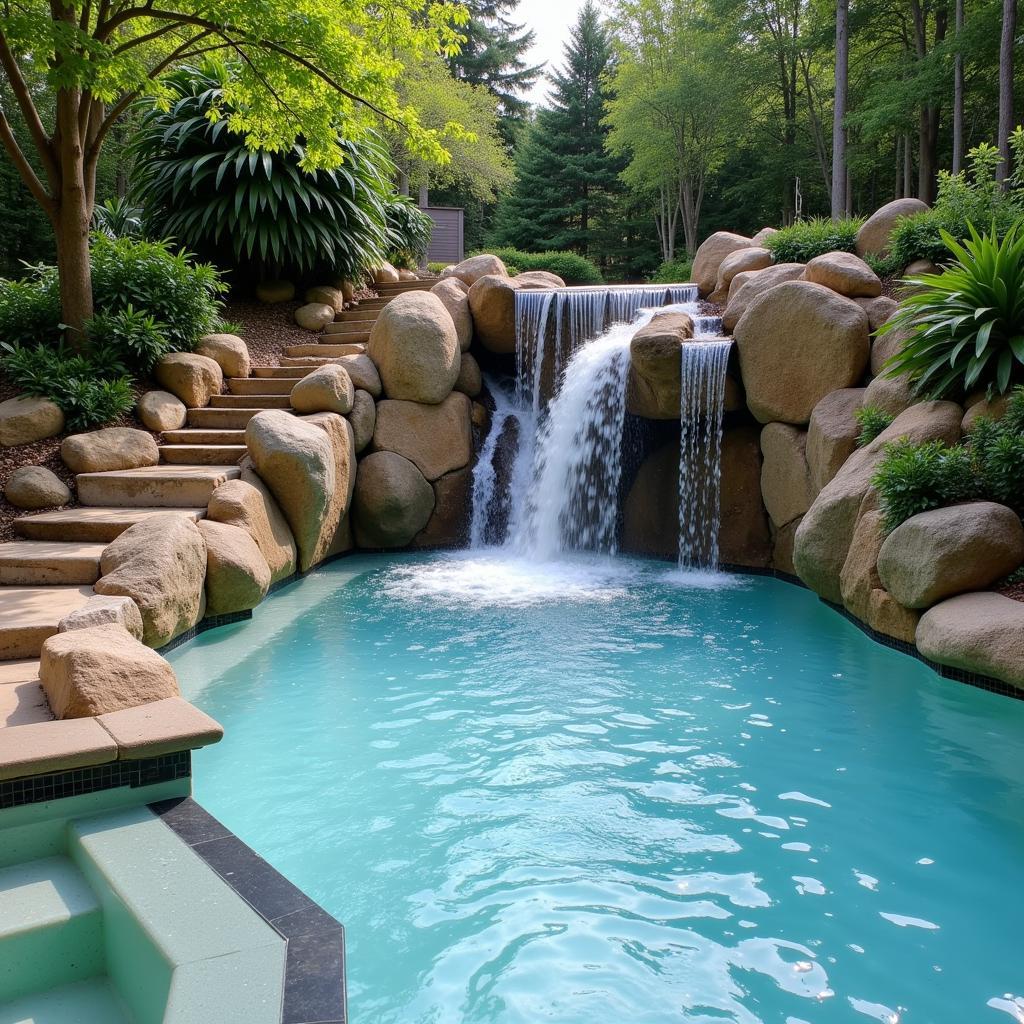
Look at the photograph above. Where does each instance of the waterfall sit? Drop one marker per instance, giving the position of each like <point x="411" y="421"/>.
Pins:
<point x="702" y="401"/>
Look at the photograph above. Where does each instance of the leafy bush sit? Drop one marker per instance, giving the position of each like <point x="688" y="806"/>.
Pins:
<point x="117" y="218"/>
<point x="569" y="266"/>
<point x="965" y="325"/>
<point x="30" y="308"/>
<point x="200" y="183"/>
<point x="872" y="422"/>
<point x="673" y="271"/>
<point x="435" y="268"/>
<point x="409" y="231"/>
<point x="802" y="241"/>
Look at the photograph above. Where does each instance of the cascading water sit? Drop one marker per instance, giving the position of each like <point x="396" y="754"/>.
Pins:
<point x="702" y="401"/>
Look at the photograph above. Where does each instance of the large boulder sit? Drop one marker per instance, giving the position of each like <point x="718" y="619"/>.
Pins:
<point x="100" y="451"/>
<point x="948" y="551"/>
<point x="454" y="295"/>
<point x="228" y="351"/>
<point x="763" y="235"/>
<point x="783" y="539"/>
<point x="844" y="273"/>
<point x="101" y="610"/>
<point x="655" y="366"/>
<point x="160" y="563"/>
<point x="26" y="419"/>
<point x="363" y="418"/>
<point x="249" y="505"/>
<point x="492" y="301"/>
<point x="470" y="380"/>
<point x="824" y="537"/>
<point x="342" y="437"/>
<point x="296" y="460"/>
<point x="327" y="389"/>
<point x="193" y="378"/>
<point x="385" y="274"/>
<point x="160" y="410"/>
<point x="237" y="574"/>
<point x="879" y="309"/>
<point x="710" y="254"/>
<point x="798" y="342"/>
<point x="538" y="279"/>
<point x="756" y="283"/>
<point x="738" y="262"/>
<point x="362" y="372"/>
<point x="470" y="270"/>
<point x="982" y="633"/>
<point x="448" y="526"/>
<point x="314" y="316"/>
<point x="832" y="434"/>
<point x="873" y="236"/>
<point x="415" y="348"/>
<point x="884" y="347"/>
<point x="328" y="295"/>
<point x="36" y="487"/>
<point x="437" y="439"/>
<point x="983" y="408"/>
<point x="89" y="672"/>
<point x="890" y="394"/>
<point x="392" y="503"/>
<point x="785" y="479"/>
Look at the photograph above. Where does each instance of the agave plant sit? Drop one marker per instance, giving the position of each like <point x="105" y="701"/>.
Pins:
<point x="199" y="183"/>
<point x="965" y="325"/>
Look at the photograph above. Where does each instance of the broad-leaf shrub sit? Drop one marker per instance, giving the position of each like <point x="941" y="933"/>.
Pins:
<point x="965" y="325"/>
<point x="802" y="241"/>
<point x="675" y="271"/>
<point x="569" y="266"/>
<point x="409" y="231"/>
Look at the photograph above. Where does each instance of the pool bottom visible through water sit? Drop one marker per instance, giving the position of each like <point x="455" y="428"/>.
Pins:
<point x="596" y="791"/>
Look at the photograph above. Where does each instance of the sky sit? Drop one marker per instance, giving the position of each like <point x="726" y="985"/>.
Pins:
<point x="551" y="20"/>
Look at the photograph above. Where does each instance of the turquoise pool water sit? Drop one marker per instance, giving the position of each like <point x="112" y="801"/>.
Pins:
<point x="593" y="793"/>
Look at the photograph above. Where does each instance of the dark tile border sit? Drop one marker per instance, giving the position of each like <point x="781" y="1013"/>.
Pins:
<point x="314" y="981"/>
<point x="210" y="622"/>
<point x="34" y="789"/>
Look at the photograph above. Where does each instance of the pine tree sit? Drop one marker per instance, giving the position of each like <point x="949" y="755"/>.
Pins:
<point x="565" y="177"/>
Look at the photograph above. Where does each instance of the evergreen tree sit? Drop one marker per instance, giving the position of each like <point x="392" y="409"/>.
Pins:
<point x="566" y="179"/>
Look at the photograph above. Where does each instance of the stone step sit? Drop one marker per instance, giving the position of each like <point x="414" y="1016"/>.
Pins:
<point x="262" y="386"/>
<point x="47" y="563"/>
<point x="187" y="436"/>
<point x="354" y="330"/>
<point x="324" y="350"/>
<point x="368" y="306"/>
<point x="28" y="615"/>
<point x="391" y="290"/>
<point x="306" y="363"/>
<point x="90" y="524"/>
<point x="221" y="419"/>
<point x="357" y="316"/>
<point x="154" y="486"/>
<point x="250" y="402"/>
<point x="202" y="454"/>
<point x="277" y="371"/>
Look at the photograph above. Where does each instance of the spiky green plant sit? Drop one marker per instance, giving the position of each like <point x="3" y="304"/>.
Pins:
<point x="965" y="325"/>
<point x="199" y="183"/>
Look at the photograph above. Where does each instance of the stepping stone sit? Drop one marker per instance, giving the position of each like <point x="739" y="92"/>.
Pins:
<point x="28" y="615"/>
<point x="250" y="402"/>
<point x="37" y="563"/>
<point x="155" y="486"/>
<point x="200" y="436"/>
<point x="90" y="524"/>
<point x="325" y="350"/>
<point x="202" y="454"/>
<point x="293" y="371"/>
<point x="262" y="386"/>
<point x="354" y="330"/>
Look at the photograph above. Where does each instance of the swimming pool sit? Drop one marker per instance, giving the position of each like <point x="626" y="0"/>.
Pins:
<point x="590" y="792"/>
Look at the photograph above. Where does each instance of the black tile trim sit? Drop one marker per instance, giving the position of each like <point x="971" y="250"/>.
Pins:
<point x="34" y="789"/>
<point x="210" y="622"/>
<point x="314" y="980"/>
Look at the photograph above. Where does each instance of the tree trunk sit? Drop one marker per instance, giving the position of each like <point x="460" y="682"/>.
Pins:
<point x="908" y="167"/>
<point x="839" y="114"/>
<point x="1006" y="88"/>
<point x="958" y="92"/>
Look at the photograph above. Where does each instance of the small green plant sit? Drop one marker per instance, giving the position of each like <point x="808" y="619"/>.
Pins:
<point x="435" y="267"/>
<point x="30" y="308"/>
<point x="118" y="218"/>
<point x="409" y="231"/>
<point x="965" y="325"/>
<point x="675" y="271"/>
<point x="802" y="241"/>
<point x="872" y="422"/>
<point x="130" y="338"/>
<point x="569" y="266"/>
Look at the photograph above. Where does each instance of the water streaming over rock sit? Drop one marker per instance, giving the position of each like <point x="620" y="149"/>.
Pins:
<point x="702" y="402"/>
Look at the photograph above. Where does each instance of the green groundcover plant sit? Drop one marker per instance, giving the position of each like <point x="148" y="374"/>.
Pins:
<point x="964" y="327"/>
<point x="569" y="266"/>
<point x="673" y="271"/>
<point x="872" y="422"/>
<point x="802" y="241"/>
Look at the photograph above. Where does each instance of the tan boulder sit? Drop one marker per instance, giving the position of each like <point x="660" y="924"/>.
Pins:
<point x="89" y="672"/>
<point x="35" y="487"/>
<point x="984" y="409"/>
<point x="756" y="283"/>
<point x="655" y="366"/>
<point x="492" y="301"/>
<point x="363" y="418"/>
<point x="102" y="610"/>
<point x="883" y="348"/>
<point x="873" y="236"/>
<point x="249" y="505"/>
<point x="710" y="254"/>
<point x="393" y="501"/>
<point x="844" y="273"/>
<point x="982" y="633"/>
<point x="100" y="451"/>
<point x="763" y="235"/>
<point x="26" y="419"/>
<point x="862" y="591"/>
<point x="404" y="274"/>
<point x="797" y="342"/>
<point x="783" y="539"/>
<point x="160" y="410"/>
<point x="890" y="394"/>
<point x="327" y="389"/>
<point x="385" y="274"/>
<point x="448" y="526"/>
<point x="740" y="261"/>
<point x="918" y="268"/>
<point x="342" y="438"/>
<point x="824" y="537"/>
<point x="948" y="551"/>
<point x="472" y="269"/>
<point x="275" y="291"/>
<point x="237" y="574"/>
<point x="454" y="295"/>
<point x="538" y="279"/>
<point x="832" y="434"/>
<point x="879" y="309"/>
<point x="470" y="380"/>
<point x="785" y="478"/>
<point x="193" y="378"/>
<point x="228" y="351"/>
<point x="362" y="372"/>
<point x="437" y="439"/>
<point x="160" y="563"/>
<point x="328" y="295"/>
<point x="314" y="316"/>
<point x="415" y="348"/>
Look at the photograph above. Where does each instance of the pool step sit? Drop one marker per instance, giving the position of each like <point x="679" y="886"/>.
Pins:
<point x="324" y="349"/>
<point x="202" y="454"/>
<point x="37" y="563"/>
<point x="161" y="486"/>
<point x="221" y="419"/>
<point x="90" y="524"/>
<point x="28" y="615"/>
<point x="51" y="928"/>
<point x="262" y="386"/>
